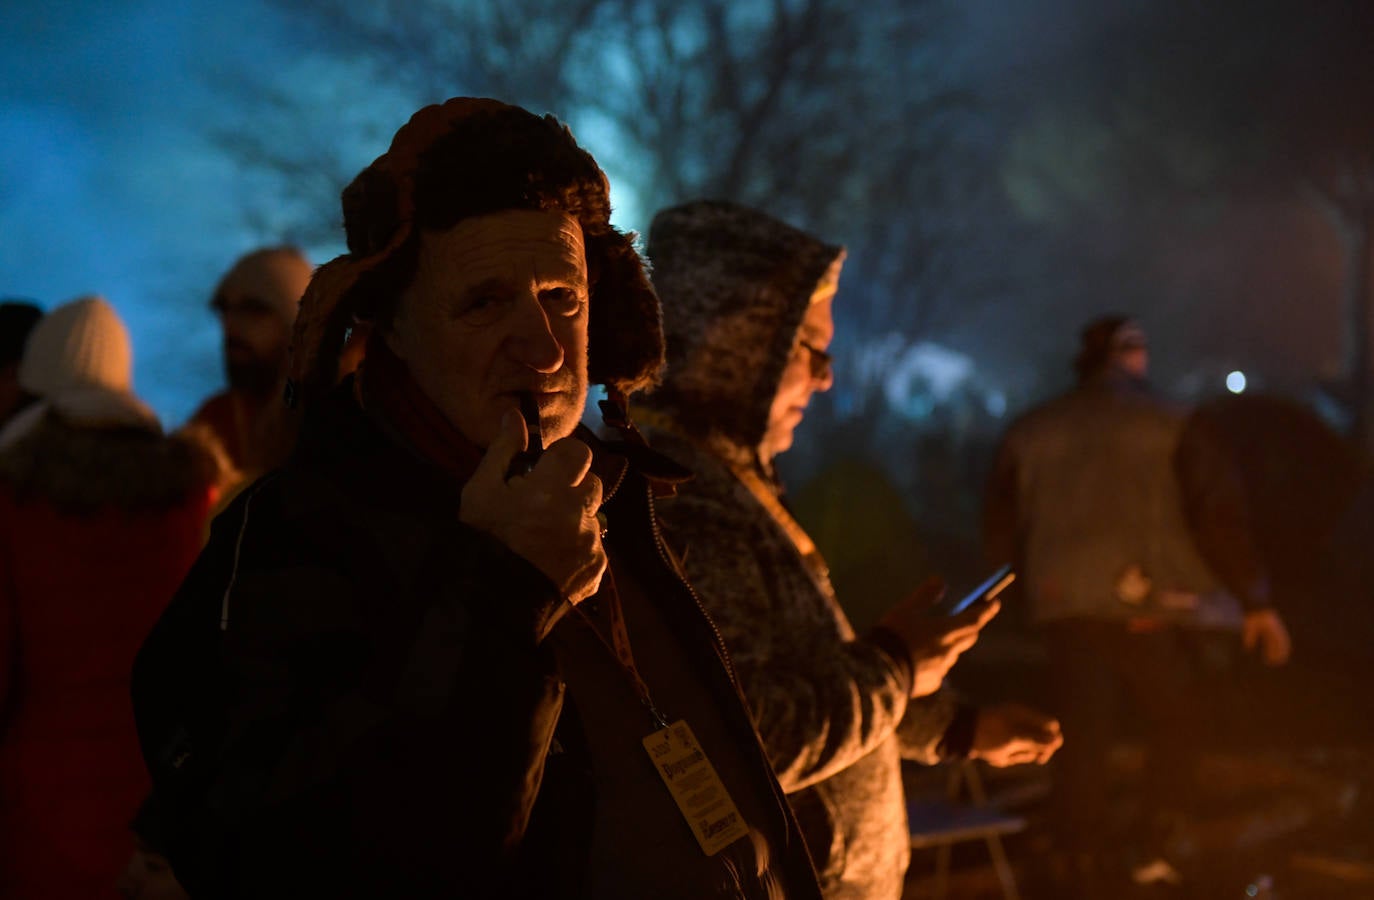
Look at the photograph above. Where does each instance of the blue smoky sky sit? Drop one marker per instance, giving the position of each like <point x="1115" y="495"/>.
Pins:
<point x="108" y="183"/>
<point x="115" y="178"/>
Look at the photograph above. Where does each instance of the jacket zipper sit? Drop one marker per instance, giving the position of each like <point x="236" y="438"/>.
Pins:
<point x="662" y="548"/>
<point x="238" y="551"/>
<point x="791" y="827"/>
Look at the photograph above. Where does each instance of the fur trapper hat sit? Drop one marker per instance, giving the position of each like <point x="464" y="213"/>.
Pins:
<point x="463" y="158"/>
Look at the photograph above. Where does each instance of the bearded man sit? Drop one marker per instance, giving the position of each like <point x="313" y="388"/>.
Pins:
<point x="256" y="304"/>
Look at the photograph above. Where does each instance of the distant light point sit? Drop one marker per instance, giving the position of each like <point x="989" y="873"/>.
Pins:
<point x="1235" y="382"/>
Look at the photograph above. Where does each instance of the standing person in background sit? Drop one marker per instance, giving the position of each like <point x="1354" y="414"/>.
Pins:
<point x="100" y="517"/>
<point x="256" y="303"/>
<point x="1127" y="530"/>
<point x="17" y="319"/>
<point x="747" y="314"/>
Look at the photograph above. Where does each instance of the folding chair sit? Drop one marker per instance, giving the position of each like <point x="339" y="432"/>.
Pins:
<point x="942" y="824"/>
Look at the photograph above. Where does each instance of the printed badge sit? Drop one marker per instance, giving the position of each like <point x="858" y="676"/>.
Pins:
<point x="696" y="788"/>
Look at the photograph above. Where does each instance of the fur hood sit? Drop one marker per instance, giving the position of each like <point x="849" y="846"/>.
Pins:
<point x="81" y="470"/>
<point x="735" y="284"/>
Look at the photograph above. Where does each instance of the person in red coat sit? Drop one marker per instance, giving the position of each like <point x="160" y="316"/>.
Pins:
<point x="100" y="518"/>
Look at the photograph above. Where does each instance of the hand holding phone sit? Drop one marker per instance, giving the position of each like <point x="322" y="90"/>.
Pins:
<point x="986" y="590"/>
<point x="935" y="642"/>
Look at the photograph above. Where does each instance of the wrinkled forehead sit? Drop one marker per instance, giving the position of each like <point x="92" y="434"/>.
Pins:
<point x="515" y="246"/>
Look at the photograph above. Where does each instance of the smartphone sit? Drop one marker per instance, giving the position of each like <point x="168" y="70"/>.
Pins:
<point x="524" y="461"/>
<point x="987" y="589"/>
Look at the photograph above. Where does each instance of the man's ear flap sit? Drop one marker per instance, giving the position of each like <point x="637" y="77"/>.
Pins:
<point x="625" y="329"/>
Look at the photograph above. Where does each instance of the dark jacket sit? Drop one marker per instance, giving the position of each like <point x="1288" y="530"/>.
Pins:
<point x="390" y="699"/>
<point x="1107" y="479"/>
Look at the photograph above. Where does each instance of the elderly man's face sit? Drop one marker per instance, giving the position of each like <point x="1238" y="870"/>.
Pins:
<point x="498" y="306"/>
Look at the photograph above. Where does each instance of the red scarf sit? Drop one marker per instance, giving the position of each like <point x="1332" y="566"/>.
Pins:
<point x="384" y="385"/>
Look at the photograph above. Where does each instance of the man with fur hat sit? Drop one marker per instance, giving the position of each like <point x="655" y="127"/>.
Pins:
<point x="256" y="303"/>
<point x="1130" y="531"/>
<point x="101" y="516"/>
<point x="454" y="667"/>
<point x="747" y="312"/>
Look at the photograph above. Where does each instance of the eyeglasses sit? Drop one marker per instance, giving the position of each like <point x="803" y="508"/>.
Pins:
<point x="821" y="362"/>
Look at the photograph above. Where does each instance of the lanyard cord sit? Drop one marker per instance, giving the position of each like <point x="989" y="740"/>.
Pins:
<point x="618" y="645"/>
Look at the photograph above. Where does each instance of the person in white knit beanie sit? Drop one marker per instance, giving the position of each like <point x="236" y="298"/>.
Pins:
<point x="78" y="362"/>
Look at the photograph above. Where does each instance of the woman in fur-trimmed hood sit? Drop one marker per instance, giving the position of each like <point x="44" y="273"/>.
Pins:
<point x="746" y="309"/>
<point x="100" y="517"/>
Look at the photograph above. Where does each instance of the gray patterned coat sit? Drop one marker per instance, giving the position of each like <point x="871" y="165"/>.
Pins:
<point x="828" y="704"/>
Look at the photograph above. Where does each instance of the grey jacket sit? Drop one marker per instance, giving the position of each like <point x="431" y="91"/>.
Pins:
<point x="1112" y="507"/>
<point x="832" y="708"/>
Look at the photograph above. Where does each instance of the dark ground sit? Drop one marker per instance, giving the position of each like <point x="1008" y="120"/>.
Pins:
<point x="1284" y="785"/>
